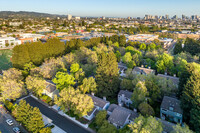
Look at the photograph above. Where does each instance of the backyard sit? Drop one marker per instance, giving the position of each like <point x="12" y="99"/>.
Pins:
<point x="5" y="59"/>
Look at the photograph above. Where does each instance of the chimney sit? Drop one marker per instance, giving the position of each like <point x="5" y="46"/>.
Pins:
<point x="92" y="93"/>
<point x="120" y="104"/>
<point x="142" y="65"/>
<point x="104" y="98"/>
<point x="174" y="75"/>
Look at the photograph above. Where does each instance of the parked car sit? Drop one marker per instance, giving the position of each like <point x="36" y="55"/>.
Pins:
<point x="16" y="130"/>
<point x="9" y="121"/>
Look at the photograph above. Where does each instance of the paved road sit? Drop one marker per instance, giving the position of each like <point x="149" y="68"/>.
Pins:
<point x="60" y="121"/>
<point x="4" y="127"/>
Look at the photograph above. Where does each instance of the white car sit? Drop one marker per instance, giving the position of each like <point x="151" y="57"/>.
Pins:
<point x="16" y="130"/>
<point x="9" y="121"/>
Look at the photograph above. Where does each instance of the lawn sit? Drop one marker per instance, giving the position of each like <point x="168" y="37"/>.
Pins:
<point x="5" y="59"/>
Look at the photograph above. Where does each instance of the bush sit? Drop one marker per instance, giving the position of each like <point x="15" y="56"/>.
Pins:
<point x="46" y="99"/>
<point x="9" y="105"/>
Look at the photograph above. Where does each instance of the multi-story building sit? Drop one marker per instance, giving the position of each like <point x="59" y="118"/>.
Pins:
<point x="171" y="110"/>
<point x="8" y="42"/>
<point x="69" y="17"/>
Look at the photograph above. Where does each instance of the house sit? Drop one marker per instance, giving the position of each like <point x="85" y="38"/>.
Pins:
<point x="124" y="98"/>
<point x="168" y="127"/>
<point x="174" y="79"/>
<point x="171" y="109"/>
<point x="122" y="69"/>
<point x="120" y="116"/>
<point x="99" y="104"/>
<point x="50" y="89"/>
<point x="142" y="70"/>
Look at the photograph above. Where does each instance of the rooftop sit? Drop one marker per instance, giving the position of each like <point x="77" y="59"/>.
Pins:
<point x="98" y="101"/>
<point x="173" y="103"/>
<point x="120" y="115"/>
<point x="126" y="93"/>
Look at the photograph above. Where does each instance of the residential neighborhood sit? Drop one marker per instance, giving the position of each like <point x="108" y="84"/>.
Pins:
<point x="77" y="73"/>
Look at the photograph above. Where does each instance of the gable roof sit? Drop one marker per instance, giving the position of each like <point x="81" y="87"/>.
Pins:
<point x="143" y="70"/>
<point x="50" y="86"/>
<point x="175" y="80"/>
<point x="168" y="102"/>
<point x="98" y="101"/>
<point x="112" y="107"/>
<point x="126" y="93"/>
<point x="121" y="114"/>
<point x="167" y="126"/>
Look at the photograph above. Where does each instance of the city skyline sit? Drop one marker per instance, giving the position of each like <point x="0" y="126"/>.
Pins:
<point x="107" y="8"/>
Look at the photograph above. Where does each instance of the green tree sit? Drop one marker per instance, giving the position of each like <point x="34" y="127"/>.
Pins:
<point x="107" y="74"/>
<point x="143" y="46"/>
<point x="74" y="68"/>
<point x="45" y="130"/>
<point x="146" y="110"/>
<point x="191" y="95"/>
<point x="146" y="125"/>
<point x="139" y="93"/>
<point x="179" y="129"/>
<point x="63" y="80"/>
<point x="107" y="128"/>
<point x="164" y="63"/>
<point x="35" y="84"/>
<point x="122" y="40"/>
<point x="127" y="57"/>
<point x="89" y="85"/>
<point x="100" y="118"/>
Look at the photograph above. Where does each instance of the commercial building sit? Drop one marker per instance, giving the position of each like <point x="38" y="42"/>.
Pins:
<point x="143" y="37"/>
<point x="8" y="42"/>
<point x="69" y="17"/>
<point x="28" y="38"/>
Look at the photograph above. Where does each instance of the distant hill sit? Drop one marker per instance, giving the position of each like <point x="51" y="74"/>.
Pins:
<point x="25" y="14"/>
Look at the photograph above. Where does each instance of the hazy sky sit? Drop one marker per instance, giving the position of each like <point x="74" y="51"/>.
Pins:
<point x="112" y="8"/>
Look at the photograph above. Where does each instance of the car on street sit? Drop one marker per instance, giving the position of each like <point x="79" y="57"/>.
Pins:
<point x="16" y="130"/>
<point x="9" y="121"/>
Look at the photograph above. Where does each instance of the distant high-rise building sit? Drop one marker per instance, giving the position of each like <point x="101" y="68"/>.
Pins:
<point x="69" y="17"/>
<point x="183" y="17"/>
<point x="175" y="17"/>
<point x="166" y="16"/>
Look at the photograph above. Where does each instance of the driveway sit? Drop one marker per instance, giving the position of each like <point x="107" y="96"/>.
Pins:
<point x="59" y="120"/>
<point x="4" y="127"/>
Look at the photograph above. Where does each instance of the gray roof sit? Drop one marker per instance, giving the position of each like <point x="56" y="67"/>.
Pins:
<point x="168" y="102"/>
<point x="112" y="107"/>
<point x="143" y="70"/>
<point x="98" y="101"/>
<point x="50" y="86"/>
<point x="167" y="126"/>
<point x="120" y="114"/>
<point x="175" y="80"/>
<point x="126" y="93"/>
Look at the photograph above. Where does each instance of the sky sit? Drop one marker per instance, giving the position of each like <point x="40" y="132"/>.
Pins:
<point x="107" y="8"/>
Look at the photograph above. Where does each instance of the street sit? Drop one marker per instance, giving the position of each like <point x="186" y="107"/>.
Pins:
<point x="59" y="120"/>
<point x="4" y="127"/>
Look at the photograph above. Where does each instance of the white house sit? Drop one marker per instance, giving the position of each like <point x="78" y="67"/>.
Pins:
<point x="124" y="98"/>
<point x="10" y="41"/>
<point x="100" y="104"/>
<point x="50" y="89"/>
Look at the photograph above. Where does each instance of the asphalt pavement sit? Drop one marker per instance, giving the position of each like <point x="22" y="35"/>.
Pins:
<point x="62" y="122"/>
<point x="4" y="127"/>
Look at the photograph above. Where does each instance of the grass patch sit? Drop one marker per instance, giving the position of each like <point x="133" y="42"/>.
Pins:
<point x="5" y="59"/>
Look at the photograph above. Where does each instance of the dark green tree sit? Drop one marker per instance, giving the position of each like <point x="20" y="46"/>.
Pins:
<point x="107" y="75"/>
